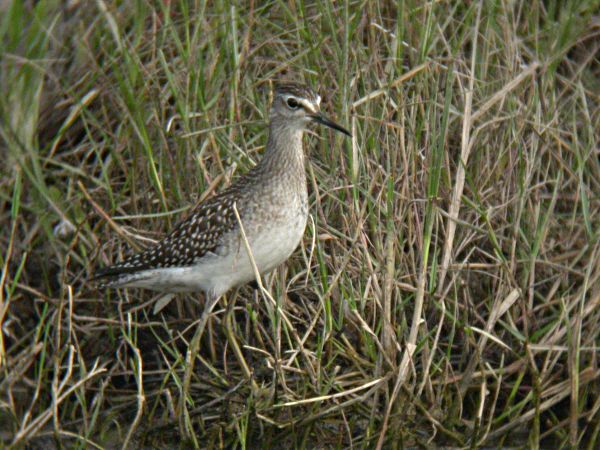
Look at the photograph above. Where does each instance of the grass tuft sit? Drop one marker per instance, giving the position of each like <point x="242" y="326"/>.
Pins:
<point x="447" y="289"/>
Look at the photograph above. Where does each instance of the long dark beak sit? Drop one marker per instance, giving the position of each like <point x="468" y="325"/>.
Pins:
<point x="320" y="118"/>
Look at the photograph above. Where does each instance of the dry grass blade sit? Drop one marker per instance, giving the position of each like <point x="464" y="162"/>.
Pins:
<point x="31" y="427"/>
<point x="333" y="396"/>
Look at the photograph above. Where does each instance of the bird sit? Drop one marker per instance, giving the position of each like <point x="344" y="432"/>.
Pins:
<point x="255" y="224"/>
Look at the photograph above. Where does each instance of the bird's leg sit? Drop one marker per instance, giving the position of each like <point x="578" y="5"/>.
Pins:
<point x="190" y="358"/>
<point x="234" y="345"/>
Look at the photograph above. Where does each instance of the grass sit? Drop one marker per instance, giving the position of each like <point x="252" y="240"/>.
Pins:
<point x="447" y="289"/>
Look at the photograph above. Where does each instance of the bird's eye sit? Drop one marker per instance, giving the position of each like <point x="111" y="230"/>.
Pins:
<point x="293" y="103"/>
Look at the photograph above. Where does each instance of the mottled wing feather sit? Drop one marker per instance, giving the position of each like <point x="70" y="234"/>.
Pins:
<point x="201" y="232"/>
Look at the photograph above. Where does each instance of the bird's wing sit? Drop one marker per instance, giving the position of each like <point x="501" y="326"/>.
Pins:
<point x="200" y="233"/>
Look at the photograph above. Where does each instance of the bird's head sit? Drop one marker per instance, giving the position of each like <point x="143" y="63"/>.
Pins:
<point x="297" y="105"/>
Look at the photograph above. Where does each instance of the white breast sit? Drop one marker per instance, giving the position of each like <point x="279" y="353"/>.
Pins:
<point x="269" y="248"/>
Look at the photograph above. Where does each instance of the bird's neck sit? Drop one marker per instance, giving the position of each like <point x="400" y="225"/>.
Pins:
<point x="284" y="152"/>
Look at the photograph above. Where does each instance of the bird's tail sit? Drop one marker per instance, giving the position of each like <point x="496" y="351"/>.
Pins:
<point x="118" y="275"/>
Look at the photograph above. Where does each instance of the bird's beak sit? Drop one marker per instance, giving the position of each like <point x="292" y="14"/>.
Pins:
<point x="320" y="118"/>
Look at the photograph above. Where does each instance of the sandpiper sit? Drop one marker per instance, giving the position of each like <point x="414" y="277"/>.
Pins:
<point x="207" y="251"/>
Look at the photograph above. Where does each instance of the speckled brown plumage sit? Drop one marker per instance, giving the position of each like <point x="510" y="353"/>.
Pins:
<point x="190" y="239"/>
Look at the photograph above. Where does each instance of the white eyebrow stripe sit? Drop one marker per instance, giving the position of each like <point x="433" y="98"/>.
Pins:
<point x="307" y="105"/>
